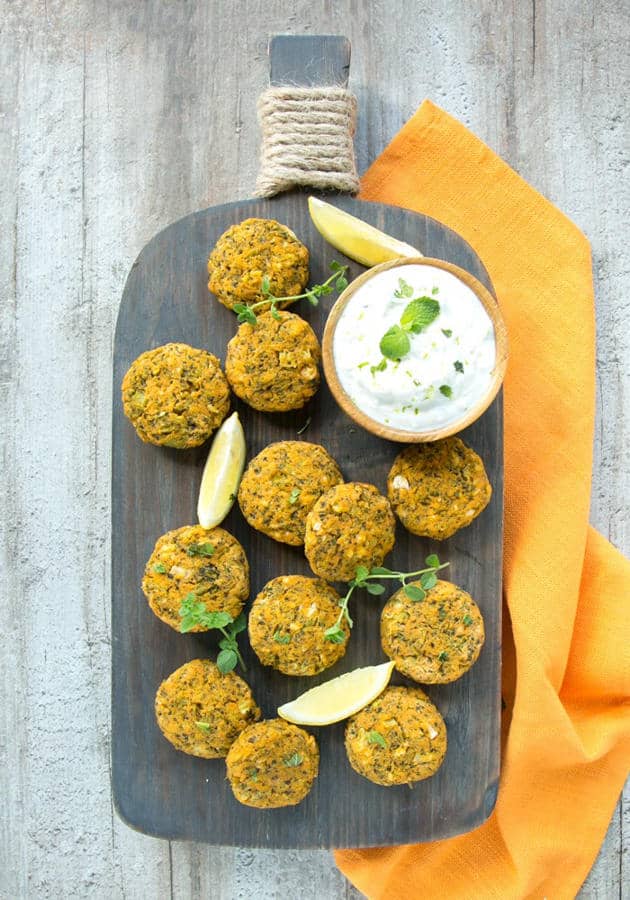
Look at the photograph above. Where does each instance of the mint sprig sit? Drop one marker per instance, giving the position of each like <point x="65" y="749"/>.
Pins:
<point x="365" y="578"/>
<point x="193" y="612"/>
<point x="416" y="316"/>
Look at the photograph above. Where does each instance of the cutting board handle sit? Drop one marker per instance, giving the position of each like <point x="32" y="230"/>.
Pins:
<point x="305" y="60"/>
<point x="307" y="116"/>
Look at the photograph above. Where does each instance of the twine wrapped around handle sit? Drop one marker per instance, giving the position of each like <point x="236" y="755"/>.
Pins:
<point x="307" y="139"/>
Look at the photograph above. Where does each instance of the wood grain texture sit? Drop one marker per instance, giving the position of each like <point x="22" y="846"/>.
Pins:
<point x="118" y="119"/>
<point x="309" y="60"/>
<point x="169" y="794"/>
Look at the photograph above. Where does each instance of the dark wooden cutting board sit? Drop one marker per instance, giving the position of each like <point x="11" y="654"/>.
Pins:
<point x="165" y="793"/>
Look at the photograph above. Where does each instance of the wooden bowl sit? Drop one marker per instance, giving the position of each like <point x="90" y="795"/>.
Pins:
<point x="398" y="434"/>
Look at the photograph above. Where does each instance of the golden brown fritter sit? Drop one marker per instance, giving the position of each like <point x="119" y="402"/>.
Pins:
<point x="202" y="712"/>
<point x="175" y="396"/>
<point x="273" y="365"/>
<point x="272" y="764"/>
<point x="435" y="640"/>
<point x="280" y="486"/>
<point x="287" y="623"/>
<point x="399" y="738"/>
<point x="246" y="252"/>
<point x="438" y="488"/>
<point x="351" y="525"/>
<point x="208" y="563"/>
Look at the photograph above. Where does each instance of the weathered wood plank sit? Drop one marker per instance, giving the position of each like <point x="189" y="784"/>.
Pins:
<point x="170" y="101"/>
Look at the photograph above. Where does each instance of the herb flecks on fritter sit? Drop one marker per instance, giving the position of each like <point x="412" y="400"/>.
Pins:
<point x="272" y="764"/>
<point x="273" y="365"/>
<point x="175" y="396"/>
<point x="211" y="564"/>
<point x="250" y="251"/>
<point x="281" y="485"/>
<point x="288" y="623"/>
<point x="399" y="738"/>
<point x="438" y="488"/>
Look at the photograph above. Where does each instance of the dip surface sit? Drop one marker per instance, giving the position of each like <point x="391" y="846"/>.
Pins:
<point x="448" y="367"/>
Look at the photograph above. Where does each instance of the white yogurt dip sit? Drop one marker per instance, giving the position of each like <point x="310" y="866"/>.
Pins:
<point x="448" y="366"/>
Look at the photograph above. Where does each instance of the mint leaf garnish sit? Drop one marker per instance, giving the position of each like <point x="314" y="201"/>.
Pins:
<point x="395" y="343"/>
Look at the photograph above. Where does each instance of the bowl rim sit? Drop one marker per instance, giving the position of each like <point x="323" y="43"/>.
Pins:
<point x="402" y="435"/>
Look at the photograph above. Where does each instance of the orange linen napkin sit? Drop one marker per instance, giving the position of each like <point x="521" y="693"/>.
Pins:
<point x="567" y="745"/>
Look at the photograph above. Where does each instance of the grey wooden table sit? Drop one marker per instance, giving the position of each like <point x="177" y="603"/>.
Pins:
<point x="117" y="118"/>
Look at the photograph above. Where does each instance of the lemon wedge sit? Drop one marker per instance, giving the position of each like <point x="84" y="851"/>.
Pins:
<point x="355" y="238"/>
<point x="222" y="473"/>
<point x="338" y="698"/>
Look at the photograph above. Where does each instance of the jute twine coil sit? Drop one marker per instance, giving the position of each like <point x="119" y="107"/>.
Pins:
<point x="307" y="139"/>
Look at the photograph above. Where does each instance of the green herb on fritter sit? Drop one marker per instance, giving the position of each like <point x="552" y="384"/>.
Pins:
<point x="280" y="638"/>
<point x="200" y="549"/>
<point x="269" y="303"/>
<point x="365" y="577"/>
<point x="375" y="737"/>
<point x="295" y="759"/>
<point x="160" y="568"/>
<point x="204" y="726"/>
<point x="293" y="496"/>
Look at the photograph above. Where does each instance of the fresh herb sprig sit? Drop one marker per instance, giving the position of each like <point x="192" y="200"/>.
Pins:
<point x="418" y="314"/>
<point x="193" y="612"/>
<point x="365" y="578"/>
<point x="336" y="281"/>
<point x="395" y="343"/>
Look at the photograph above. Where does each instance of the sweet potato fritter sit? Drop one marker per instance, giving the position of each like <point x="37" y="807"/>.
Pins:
<point x="281" y="485"/>
<point x="438" y="488"/>
<point x="287" y="622"/>
<point x="208" y="563"/>
<point x="272" y="764"/>
<point x="202" y="712"/>
<point x="435" y="640"/>
<point x="175" y="396"/>
<point x="399" y="738"/>
<point x="250" y="250"/>
<point x="273" y="365"/>
<point x="351" y="525"/>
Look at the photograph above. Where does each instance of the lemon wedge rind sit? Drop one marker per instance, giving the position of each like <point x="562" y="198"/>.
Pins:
<point x="338" y="698"/>
<point x="355" y="238"/>
<point x="222" y="473"/>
